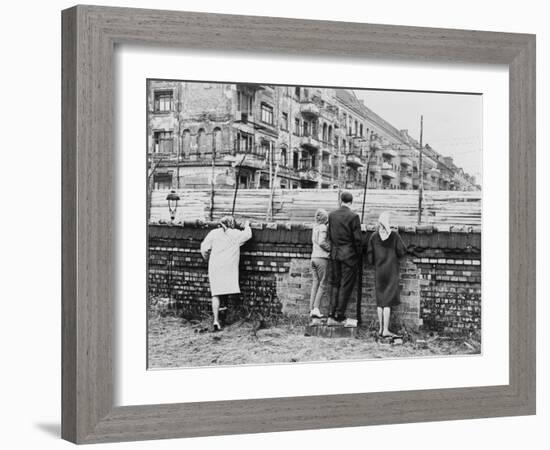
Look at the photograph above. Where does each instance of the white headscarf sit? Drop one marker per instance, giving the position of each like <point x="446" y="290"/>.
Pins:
<point x="384" y="228"/>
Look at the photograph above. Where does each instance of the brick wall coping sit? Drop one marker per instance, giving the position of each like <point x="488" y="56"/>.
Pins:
<point x="309" y="225"/>
<point x="425" y="236"/>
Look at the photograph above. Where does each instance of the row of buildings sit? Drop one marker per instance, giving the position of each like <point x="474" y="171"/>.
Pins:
<point x="263" y="136"/>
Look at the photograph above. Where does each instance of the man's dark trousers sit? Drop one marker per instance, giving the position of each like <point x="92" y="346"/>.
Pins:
<point x="344" y="233"/>
<point x="343" y="276"/>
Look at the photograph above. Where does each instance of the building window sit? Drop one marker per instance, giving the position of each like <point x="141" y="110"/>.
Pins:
<point x="325" y="132"/>
<point x="283" y="160"/>
<point x="186" y="142"/>
<point x="313" y="161"/>
<point x="264" y="148"/>
<point x="361" y="130"/>
<point x="244" y="142"/>
<point x="162" y="181"/>
<point x="297" y="91"/>
<point x="163" y="142"/>
<point x="217" y="140"/>
<point x="295" y="160"/>
<point x="244" y="102"/>
<point x="164" y="101"/>
<point x="297" y="127"/>
<point x="201" y="141"/>
<point x="267" y="114"/>
<point x="329" y="133"/>
<point x="305" y="128"/>
<point x="284" y="122"/>
<point x="244" y="181"/>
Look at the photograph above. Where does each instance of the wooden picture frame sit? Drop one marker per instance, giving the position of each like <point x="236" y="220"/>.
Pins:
<point x="89" y="37"/>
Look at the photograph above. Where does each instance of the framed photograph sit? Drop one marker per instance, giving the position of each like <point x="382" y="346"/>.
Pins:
<point x="268" y="230"/>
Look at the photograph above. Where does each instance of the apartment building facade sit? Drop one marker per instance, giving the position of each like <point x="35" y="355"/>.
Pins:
<point x="263" y="136"/>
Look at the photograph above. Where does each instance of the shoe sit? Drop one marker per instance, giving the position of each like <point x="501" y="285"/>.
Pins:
<point x="316" y="314"/>
<point x="332" y="322"/>
<point x="391" y="335"/>
<point x="350" y="323"/>
<point x="216" y="327"/>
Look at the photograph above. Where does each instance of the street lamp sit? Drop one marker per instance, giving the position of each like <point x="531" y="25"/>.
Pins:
<point x="173" y="199"/>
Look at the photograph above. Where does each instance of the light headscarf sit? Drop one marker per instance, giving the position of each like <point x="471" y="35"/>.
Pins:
<point x="384" y="228"/>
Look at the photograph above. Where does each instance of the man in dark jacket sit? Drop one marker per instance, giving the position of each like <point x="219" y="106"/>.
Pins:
<point x="344" y="233"/>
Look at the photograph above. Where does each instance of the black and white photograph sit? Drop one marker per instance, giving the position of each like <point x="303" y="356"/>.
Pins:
<point x="295" y="224"/>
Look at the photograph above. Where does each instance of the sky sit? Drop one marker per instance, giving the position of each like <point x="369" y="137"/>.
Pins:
<point x="452" y="122"/>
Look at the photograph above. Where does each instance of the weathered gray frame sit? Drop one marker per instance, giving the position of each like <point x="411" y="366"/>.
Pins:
<point x="89" y="36"/>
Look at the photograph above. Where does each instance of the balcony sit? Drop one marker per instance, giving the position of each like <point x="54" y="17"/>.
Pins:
<point x="387" y="171"/>
<point x="310" y="141"/>
<point x="406" y="161"/>
<point x="308" y="174"/>
<point x="163" y="156"/>
<point x="309" y="109"/>
<point x="353" y="160"/>
<point x="429" y="186"/>
<point x="251" y="159"/>
<point x="389" y="152"/>
<point x="251" y="86"/>
<point x="328" y="147"/>
<point x="375" y="145"/>
<point x="406" y="179"/>
<point x="374" y="168"/>
<point x="244" y="117"/>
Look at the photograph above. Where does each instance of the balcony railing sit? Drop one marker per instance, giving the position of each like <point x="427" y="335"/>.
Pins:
<point x="310" y="174"/>
<point x="309" y="109"/>
<point x="374" y="168"/>
<point x="310" y="141"/>
<point x="387" y="171"/>
<point x="406" y="161"/>
<point x="406" y="179"/>
<point x="250" y="157"/>
<point x="375" y="145"/>
<point x="389" y="152"/>
<point x="354" y="160"/>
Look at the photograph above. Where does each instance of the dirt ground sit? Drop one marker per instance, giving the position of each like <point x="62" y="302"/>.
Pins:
<point x="176" y="342"/>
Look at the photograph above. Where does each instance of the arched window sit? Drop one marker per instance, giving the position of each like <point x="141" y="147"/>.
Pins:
<point x="217" y="140"/>
<point x="361" y="130"/>
<point x="186" y="143"/>
<point x="329" y="133"/>
<point x="283" y="160"/>
<point x="325" y="133"/>
<point x="201" y="141"/>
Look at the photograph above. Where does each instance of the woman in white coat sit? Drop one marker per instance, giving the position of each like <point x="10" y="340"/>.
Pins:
<point x="222" y="248"/>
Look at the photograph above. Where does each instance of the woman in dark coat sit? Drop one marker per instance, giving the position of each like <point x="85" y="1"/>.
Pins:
<point x="384" y="250"/>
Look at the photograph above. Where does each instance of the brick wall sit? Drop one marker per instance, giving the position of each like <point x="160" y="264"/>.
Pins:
<point x="440" y="279"/>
